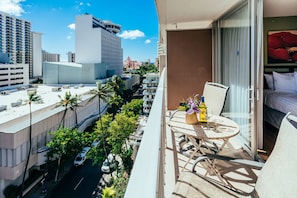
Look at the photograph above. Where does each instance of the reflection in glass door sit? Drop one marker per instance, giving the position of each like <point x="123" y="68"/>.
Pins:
<point x="236" y="69"/>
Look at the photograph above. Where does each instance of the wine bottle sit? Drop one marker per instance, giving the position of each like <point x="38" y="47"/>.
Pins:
<point x="202" y="110"/>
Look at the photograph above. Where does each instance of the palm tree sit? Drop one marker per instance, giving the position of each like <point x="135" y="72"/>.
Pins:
<point x="32" y="98"/>
<point x="75" y="105"/>
<point x="118" y="85"/>
<point x="68" y="101"/>
<point x="103" y="92"/>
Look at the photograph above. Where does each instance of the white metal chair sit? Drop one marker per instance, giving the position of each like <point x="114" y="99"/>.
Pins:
<point x="215" y="96"/>
<point x="277" y="177"/>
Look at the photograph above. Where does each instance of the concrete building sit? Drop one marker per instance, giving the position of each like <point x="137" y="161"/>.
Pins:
<point x="131" y="64"/>
<point x="150" y="85"/>
<point x="13" y="74"/>
<point x="131" y="80"/>
<point x="14" y="125"/>
<point x="98" y="54"/>
<point x="15" y="37"/>
<point x="37" y="55"/>
<point x="50" y="57"/>
<point x="96" y="42"/>
<point x="71" y="73"/>
<point x="23" y="48"/>
<point x="71" y="57"/>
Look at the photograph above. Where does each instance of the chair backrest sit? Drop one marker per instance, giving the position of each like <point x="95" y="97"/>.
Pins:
<point x="215" y="97"/>
<point x="278" y="177"/>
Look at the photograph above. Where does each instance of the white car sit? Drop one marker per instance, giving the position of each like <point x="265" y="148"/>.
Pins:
<point x="81" y="157"/>
<point x="109" y="164"/>
<point x="105" y="167"/>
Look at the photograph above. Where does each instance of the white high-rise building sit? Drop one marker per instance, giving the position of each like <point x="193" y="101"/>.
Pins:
<point x="96" y="42"/>
<point x="37" y="55"/>
<point x="23" y="48"/>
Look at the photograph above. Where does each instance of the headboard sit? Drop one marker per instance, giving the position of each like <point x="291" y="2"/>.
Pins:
<point x="280" y="69"/>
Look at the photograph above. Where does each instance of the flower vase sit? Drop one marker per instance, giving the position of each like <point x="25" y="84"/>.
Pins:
<point x="191" y="118"/>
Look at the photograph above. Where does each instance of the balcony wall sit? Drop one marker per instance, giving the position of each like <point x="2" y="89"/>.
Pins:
<point x="189" y="63"/>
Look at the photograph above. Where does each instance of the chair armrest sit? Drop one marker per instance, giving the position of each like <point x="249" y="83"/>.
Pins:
<point x="229" y="159"/>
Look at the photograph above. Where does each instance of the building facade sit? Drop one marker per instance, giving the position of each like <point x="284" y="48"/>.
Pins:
<point x="150" y="85"/>
<point x="96" y="42"/>
<point x="36" y="70"/>
<point x="14" y="126"/>
<point x="15" y="39"/>
<point x="23" y="47"/>
<point x="71" y="57"/>
<point x="50" y="57"/>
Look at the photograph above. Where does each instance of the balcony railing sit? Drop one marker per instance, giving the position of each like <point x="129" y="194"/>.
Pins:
<point x="146" y="180"/>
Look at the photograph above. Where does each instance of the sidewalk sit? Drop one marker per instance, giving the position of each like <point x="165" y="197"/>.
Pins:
<point x="50" y="184"/>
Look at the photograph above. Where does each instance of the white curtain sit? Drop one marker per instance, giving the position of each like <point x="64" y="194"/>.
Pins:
<point x="235" y="67"/>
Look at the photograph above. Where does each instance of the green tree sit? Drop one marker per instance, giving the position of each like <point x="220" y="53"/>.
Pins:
<point x="117" y="85"/>
<point x="101" y="132"/>
<point x="32" y="98"/>
<point x="120" y="129"/>
<point x="133" y="108"/>
<point x="68" y="101"/>
<point x="102" y="92"/>
<point x="115" y="103"/>
<point x="108" y="192"/>
<point x="65" y="143"/>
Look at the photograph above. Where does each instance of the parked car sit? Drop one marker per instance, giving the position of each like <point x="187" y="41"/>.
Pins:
<point x="109" y="164"/>
<point x="94" y="144"/>
<point x="105" y="167"/>
<point x="81" y="157"/>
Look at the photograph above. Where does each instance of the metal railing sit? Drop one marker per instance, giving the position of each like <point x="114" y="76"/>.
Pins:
<point x="147" y="176"/>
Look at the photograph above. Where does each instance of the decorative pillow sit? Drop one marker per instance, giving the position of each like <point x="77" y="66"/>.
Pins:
<point x="284" y="82"/>
<point x="269" y="81"/>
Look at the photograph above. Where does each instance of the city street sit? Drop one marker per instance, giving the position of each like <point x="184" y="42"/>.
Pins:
<point x="80" y="182"/>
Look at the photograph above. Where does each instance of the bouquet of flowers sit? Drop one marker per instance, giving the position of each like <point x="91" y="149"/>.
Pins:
<point x="191" y="105"/>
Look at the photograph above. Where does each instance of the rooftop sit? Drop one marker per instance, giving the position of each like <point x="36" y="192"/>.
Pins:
<point x="15" y="100"/>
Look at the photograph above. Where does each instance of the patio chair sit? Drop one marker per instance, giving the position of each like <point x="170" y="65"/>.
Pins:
<point x="215" y="96"/>
<point x="277" y="177"/>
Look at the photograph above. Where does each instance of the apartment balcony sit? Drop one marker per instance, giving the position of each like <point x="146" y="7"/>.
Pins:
<point x="158" y="163"/>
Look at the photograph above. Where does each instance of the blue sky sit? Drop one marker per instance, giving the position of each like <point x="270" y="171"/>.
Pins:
<point x="55" y="19"/>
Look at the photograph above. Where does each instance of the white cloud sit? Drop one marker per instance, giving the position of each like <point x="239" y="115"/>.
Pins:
<point x="12" y="7"/>
<point x="69" y="37"/>
<point x="71" y="26"/>
<point x="131" y="34"/>
<point x="147" y="41"/>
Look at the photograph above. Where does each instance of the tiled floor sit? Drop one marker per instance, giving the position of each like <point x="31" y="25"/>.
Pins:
<point x="239" y="177"/>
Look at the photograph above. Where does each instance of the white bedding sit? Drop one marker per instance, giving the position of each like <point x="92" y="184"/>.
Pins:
<point x="282" y="101"/>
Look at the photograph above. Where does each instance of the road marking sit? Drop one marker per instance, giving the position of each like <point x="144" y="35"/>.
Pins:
<point x="78" y="183"/>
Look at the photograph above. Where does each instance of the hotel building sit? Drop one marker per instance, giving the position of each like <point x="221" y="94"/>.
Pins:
<point x="19" y="43"/>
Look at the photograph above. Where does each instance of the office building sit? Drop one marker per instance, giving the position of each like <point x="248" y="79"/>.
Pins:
<point x="96" y="42"/>
<point x="98" y="54"/>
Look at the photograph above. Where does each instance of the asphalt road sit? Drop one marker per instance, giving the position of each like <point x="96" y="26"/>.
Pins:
<point x="79" y="183"/>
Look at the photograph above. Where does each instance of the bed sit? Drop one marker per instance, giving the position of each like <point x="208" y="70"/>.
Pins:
<point x="279" y="96"/>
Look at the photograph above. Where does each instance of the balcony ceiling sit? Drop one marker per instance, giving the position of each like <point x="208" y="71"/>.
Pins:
<point x="191" y="14"/>
<point x="199" y="14"/>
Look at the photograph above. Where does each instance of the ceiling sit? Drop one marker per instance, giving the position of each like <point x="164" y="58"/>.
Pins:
<point x="186" y="14"/>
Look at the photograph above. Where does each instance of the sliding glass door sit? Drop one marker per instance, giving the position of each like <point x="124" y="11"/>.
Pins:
<point x="236" y="67"/>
